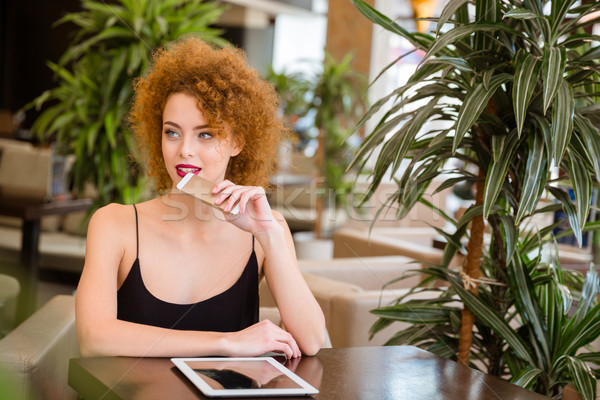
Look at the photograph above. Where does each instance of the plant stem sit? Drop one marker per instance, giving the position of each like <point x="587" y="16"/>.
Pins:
<point x="472" y="269"/>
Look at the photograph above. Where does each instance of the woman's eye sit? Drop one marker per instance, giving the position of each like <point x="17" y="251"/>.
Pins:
<point x="205" y="135"/>
<point x="171" y="133"/>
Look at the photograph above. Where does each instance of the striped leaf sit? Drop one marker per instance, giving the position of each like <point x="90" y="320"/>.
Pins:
<point x="553" y="68"/>
<point x="497" y="171"/>
<point x="520" y="13"/>
<point x="448" y="11"/>
<point x="582" y="186"/>
<point x="591" y="289"/>
<point x="562" y="121"/>
<point x="414" y="313"/>
<point x="549" y="303"/>
<point x="569" y="209"/>
<point x="460" y="32"/>
<point x="528" y="305"/>
<point x="527" y="377"/>
<point x="534" y="178"/>
<point x="491" y="319"/>
<point x="456" y="62"/>
<point x="582" y="376"/>
<point x="591" y="137"/>
<point x="546" y="128"/>
<point x="559" y="10"/>
<point x="510" y="235"/>
<point x="526" y="75"/>
<point x="378" y="18"/>
<point x="406" y="135"/>
<point x="474" y="105"/>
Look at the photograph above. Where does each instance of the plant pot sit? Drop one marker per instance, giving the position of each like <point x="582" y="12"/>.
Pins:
<point x="308" y="247"/>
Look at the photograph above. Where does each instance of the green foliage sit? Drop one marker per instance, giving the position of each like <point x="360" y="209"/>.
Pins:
<point x="88" y="107"/>
<point x="293" y="89"/>
<point x="517" y="84"/>
<point x="336" y="96"/>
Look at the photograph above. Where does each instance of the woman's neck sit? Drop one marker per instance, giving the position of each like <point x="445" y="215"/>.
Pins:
<point x="178" y="206"/>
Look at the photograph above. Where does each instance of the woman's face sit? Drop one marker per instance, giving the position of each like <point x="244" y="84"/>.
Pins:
<point x="189" y="146"/>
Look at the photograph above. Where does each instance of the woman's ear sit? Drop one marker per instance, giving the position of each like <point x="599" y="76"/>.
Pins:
<point x="238" y="146"/>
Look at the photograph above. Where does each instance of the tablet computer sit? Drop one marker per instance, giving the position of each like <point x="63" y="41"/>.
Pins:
<point x="244" y="376"/>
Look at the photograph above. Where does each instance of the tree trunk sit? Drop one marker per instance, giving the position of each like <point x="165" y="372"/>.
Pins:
<point x="473" y="270"/>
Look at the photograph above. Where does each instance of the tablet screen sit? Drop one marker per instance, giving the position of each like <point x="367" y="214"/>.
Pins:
<point x="256" y="376"/>
<point x="242" y="374"/>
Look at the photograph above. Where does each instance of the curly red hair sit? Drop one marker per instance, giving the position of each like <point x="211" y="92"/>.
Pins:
<point x="230" y="94"/>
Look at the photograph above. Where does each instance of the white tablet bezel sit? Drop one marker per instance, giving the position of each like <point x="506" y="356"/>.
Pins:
<point x="305" y="390"/>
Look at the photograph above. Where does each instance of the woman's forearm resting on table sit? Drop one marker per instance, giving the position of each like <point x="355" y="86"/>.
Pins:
<point x="301" y="314"/>
<point x="122" y="338"/>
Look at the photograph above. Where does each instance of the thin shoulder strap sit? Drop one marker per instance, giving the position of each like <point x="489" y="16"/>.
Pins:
<point x="252" y="242"/>
<point x="137" y="235"/>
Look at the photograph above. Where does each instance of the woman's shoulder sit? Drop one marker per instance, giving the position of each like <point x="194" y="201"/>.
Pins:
<point x="112" y="211"/>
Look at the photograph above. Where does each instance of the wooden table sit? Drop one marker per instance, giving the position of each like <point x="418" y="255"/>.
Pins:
<point x="31" y="214"/>
<point x="397" y="372"/>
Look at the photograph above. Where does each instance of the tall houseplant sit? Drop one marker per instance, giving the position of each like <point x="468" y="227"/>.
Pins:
<point x="334" y="98"/>
<point x="517" y="84"/>
<point x="338" y="101"/>
<point x="88" y="107"/>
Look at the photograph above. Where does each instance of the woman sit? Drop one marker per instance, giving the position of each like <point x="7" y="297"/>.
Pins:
<point x="172" y="276"/>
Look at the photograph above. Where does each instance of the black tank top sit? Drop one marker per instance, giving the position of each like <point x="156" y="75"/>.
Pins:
<point x="232" y="310"/>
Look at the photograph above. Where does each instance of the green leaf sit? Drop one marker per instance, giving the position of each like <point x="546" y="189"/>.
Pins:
<point x="497" y="171"/>
<point x="591" y="136"/>
<point x="449" y="10"/>
<point x="527" y="377"/>
<point x="526" y="75"/>
<point x="553" y="67"/>
<point x="110" y="128"/>
<point x="474" y="105"/>
<point x="534" y="177"/>
<point x="583" y="377"/>
<point x="401" y="141"/>
<point x="491" y="319"/>
<point x="569" y="209"/>
<point x="582" y="186"/>
<point x="589" y="292"/>
<point x="528" y="306"/>
<point x="414" y="313"/>
<point x="520" y="13"/>
<point x="378" y="18"/>
<point x="460" y="32"/>
<point x="456" y="62"/>
<point x="562" y="121"/>
<point x="510" y="235"/>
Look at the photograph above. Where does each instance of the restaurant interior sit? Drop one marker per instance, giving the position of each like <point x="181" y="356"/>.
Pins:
<point x="447" y="203"/>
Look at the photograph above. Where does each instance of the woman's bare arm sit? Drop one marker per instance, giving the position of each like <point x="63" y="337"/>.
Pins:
<point x="300" y="312"/>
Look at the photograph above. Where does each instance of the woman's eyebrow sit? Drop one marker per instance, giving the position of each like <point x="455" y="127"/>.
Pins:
<point x="178" y="127"/>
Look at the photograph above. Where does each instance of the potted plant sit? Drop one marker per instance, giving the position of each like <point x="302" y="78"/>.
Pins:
<point x="332" y="99"/>
<point x="516" y="83"/>
<point x="88" y="107"/>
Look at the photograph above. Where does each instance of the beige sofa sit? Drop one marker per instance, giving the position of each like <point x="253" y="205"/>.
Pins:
<point x="348" y="289"/>
<point x="415" y="243"/>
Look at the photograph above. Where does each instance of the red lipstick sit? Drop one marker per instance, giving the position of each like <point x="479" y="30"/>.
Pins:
<point x="183" y="169"/>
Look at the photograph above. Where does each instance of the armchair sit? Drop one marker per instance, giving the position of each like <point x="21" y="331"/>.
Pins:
<point x="348" y="289"/>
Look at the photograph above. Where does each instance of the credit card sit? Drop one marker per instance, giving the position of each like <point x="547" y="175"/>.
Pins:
<point x="201" y="189"/>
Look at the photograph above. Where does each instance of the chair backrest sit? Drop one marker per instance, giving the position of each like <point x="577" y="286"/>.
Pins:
<point x="35" y="355"/>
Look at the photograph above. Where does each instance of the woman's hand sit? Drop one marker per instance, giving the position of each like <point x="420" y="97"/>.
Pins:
<point x="260" y="338"/>
<point x="255" y="213"/>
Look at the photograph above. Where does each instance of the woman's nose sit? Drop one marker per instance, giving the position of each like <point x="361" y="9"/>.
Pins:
<point x="186" y="146"/>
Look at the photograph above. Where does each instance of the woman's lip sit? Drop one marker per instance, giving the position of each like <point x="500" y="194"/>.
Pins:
<point x="186" y="166"/>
